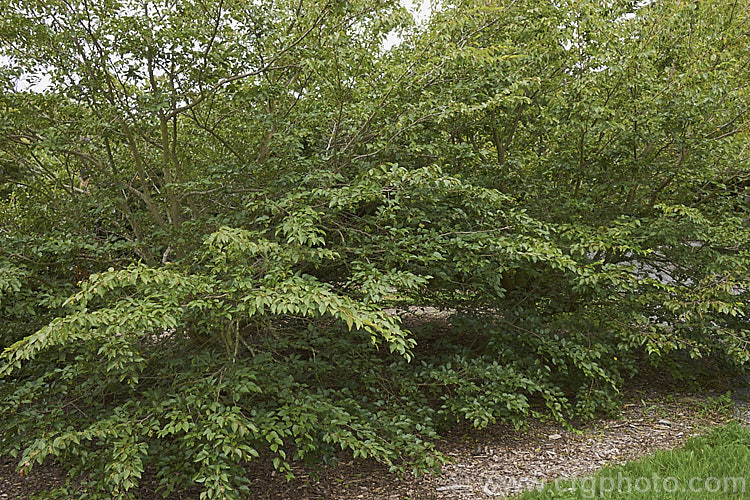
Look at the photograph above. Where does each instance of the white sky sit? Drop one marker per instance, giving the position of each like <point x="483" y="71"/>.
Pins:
<point x="420" y="9"/>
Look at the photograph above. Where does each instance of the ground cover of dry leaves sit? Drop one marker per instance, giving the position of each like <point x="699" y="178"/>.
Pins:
<point x="490" y="463"/>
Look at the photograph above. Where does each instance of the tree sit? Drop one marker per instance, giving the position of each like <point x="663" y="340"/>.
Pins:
<point x="213" y="209"/>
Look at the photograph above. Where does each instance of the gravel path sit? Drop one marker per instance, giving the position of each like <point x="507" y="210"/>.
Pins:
<point x="741" y="399"/>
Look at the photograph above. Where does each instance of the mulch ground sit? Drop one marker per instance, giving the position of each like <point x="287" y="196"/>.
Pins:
<point x="496" y="462"/>
<point x="490" y="463"/>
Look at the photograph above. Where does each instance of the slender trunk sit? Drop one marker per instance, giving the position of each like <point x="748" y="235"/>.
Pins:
<point x="168" y="162"/>
<point x="141" y="171"/>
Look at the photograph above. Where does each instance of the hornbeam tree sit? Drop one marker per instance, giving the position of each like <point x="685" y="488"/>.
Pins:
<point x="214" y="213"/>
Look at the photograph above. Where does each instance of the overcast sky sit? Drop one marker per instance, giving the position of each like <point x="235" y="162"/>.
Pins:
<point x="420" y="9"/>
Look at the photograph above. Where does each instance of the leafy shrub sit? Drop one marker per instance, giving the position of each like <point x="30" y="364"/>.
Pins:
<point x="202" y="263"/>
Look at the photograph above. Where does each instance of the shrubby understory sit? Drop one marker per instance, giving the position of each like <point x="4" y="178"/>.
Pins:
<point x="217" y="217"/>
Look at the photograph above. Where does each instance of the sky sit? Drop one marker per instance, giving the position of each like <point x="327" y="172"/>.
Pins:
<point x="420" y="9"/>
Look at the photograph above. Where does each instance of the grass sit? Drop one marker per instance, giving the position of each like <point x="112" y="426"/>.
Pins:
<point x="715" y="465"/>
<point x="719" y="405"/>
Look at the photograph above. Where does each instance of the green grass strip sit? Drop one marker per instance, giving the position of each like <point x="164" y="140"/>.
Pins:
<point x="715" y="466"/>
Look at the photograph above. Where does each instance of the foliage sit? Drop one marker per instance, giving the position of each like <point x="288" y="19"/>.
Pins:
<point x="215" y="216"/>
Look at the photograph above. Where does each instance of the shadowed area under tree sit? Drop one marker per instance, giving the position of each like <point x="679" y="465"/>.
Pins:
<point x="211" y="214"/>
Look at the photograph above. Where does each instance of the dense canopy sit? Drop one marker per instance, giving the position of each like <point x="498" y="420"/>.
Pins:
<point x="214" y="215"/>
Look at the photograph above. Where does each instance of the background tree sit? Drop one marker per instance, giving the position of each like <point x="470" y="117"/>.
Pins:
<point x="213" y="209"/>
